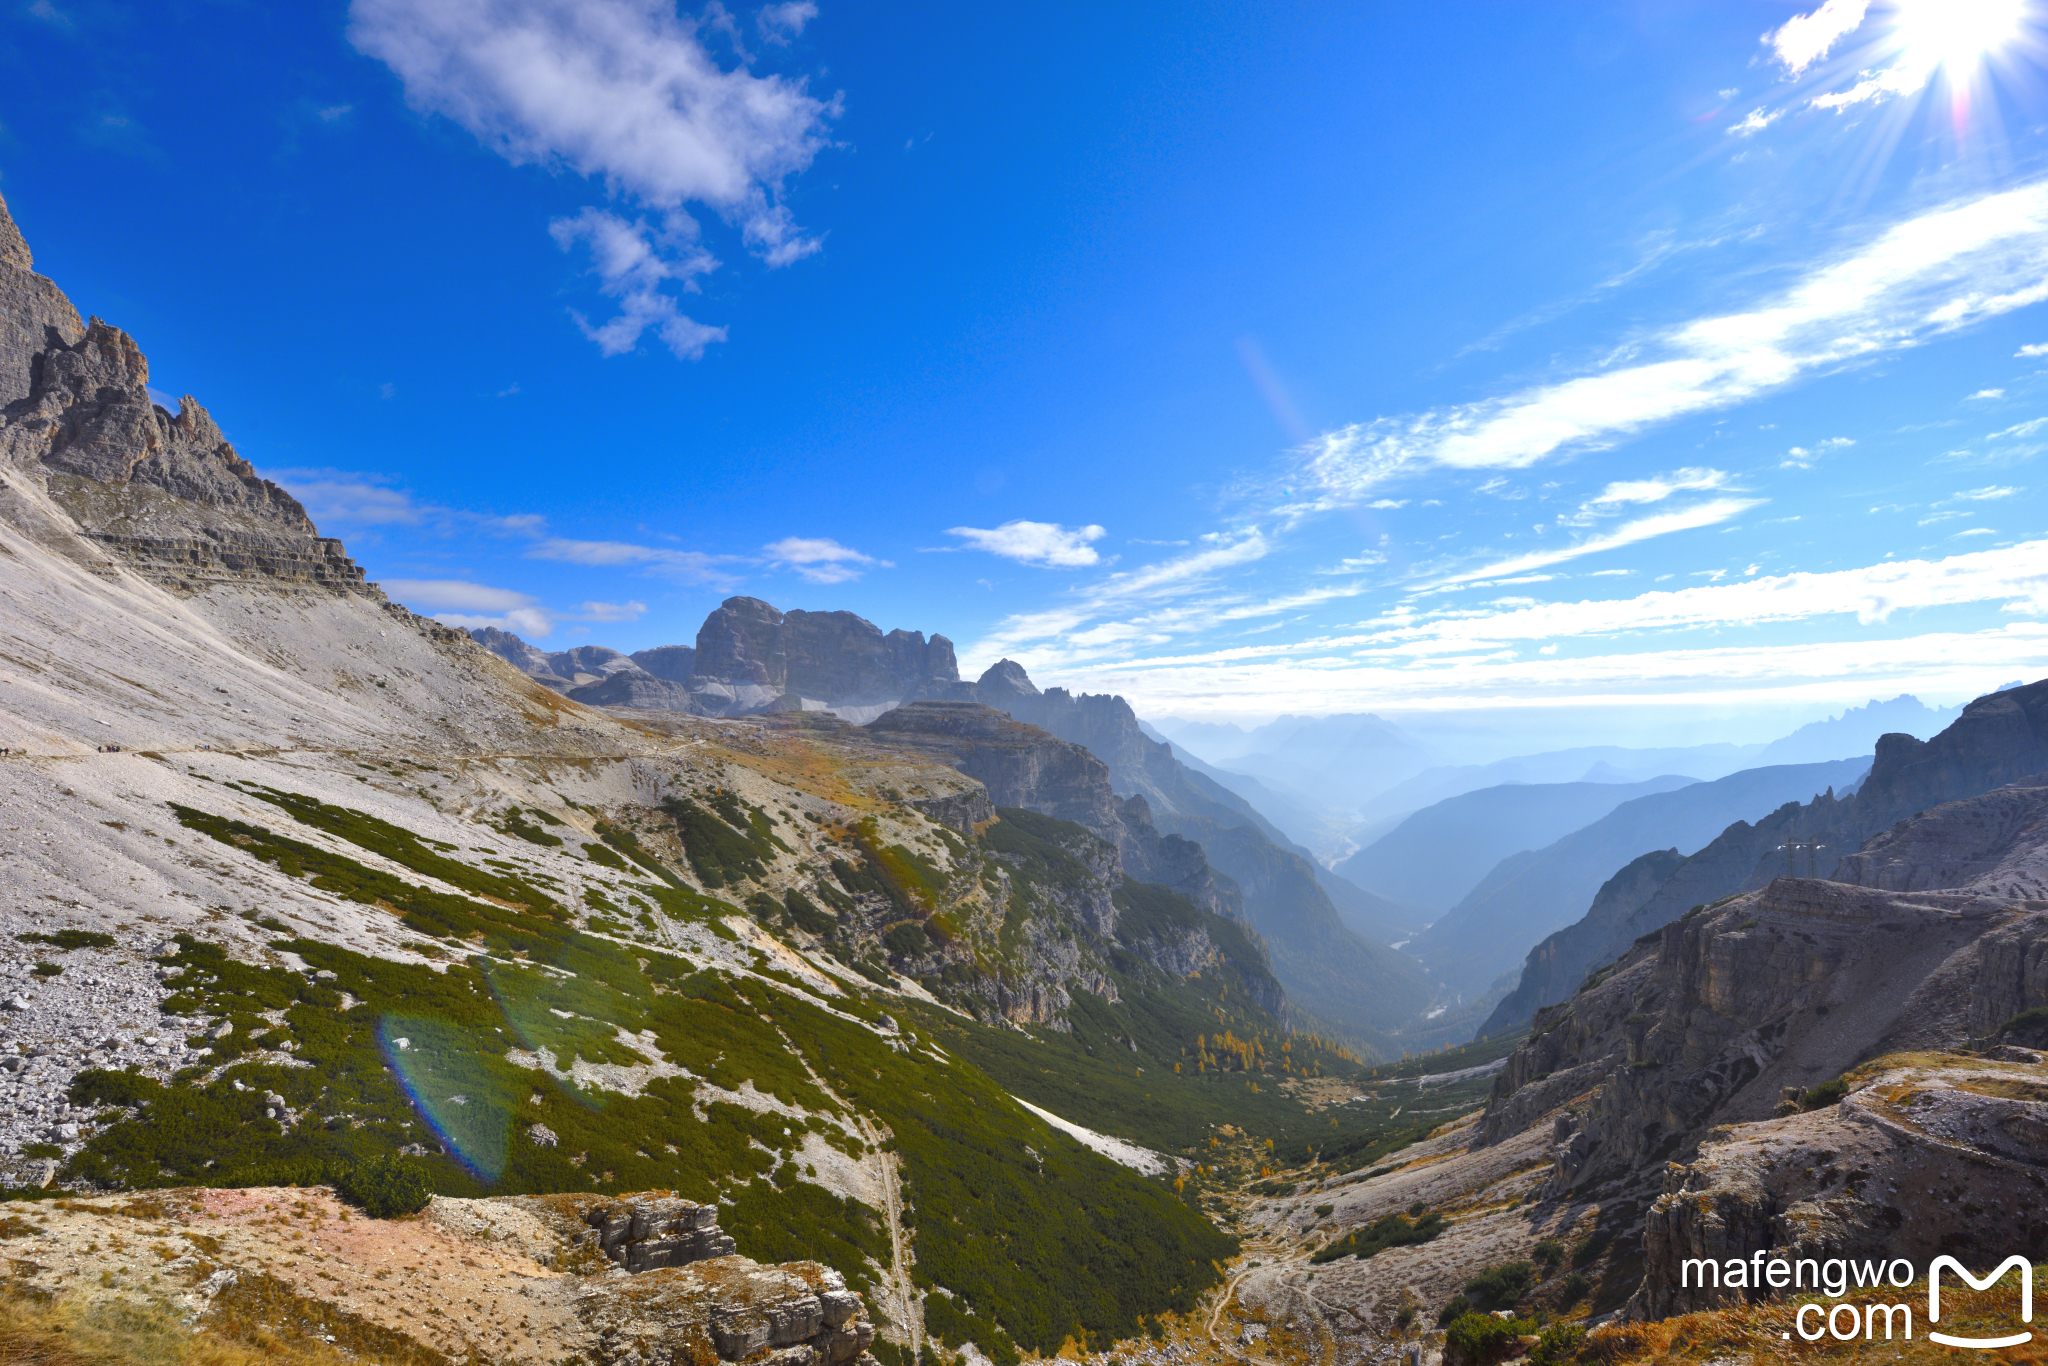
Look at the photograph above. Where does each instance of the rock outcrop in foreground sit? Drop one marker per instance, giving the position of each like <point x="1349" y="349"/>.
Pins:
<point x="517" y="1280"/>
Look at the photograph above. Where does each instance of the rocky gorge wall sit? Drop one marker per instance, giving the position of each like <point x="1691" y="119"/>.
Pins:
<point x="1698" y="1076"/>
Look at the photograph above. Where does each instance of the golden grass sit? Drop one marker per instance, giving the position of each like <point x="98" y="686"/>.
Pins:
<point x="1756" y="1333"/>
<point x="257" y="1322"/>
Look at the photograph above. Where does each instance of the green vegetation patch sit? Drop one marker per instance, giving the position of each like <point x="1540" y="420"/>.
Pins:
<point x="517" y="825"/>
<point x="401" y="847"/>
<point x="1393" y="1230"/>
<point x="725" y="840"/>
<point x="67" y="940"/>
<point x="440" y="914"/>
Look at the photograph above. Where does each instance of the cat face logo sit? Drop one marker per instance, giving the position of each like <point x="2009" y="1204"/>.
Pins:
<point x="2026" y="1271"/>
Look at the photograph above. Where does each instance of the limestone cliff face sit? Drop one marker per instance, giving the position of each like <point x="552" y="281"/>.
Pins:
<point x="1993" y="843"/>
<point x="1026" y="767"/>
<point x="34" y="314"/>
<point x="168" y="494"/>
<point x="749" y="654"/>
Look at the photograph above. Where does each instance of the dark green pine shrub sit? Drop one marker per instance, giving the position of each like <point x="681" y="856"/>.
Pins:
<point x="723" y="844"/>
<point x="1479" y="1339"/>
<point x="1501" y="1287"/>
<point x="385" y="1186"/>
<point x="70" y="939"/>
<point x="1392" y="1230"/>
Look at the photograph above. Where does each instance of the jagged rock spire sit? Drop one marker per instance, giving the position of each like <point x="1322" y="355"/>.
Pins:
<point x="13" y="246"/>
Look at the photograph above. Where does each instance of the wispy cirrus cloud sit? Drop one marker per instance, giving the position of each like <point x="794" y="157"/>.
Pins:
<point x="470" y="606"/>
<point x="1658" y="487"/>
<point x="625" y="92"/>
<point x="1153" y="602"/>
<point x="1040" y="543"/>
<point x="1930" y="275"/>
<point x="2016" y="577"/>
<point x="689" y="566"/>
<point x="818" y="559"/>
<point x="1709" y="513"/>
<point x="1589" y="652"/>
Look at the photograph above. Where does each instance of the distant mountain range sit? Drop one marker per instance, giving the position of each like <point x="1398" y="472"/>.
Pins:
<point x="1338" y="784"/>
<point x="1434" y="857"/>
<point x="1999" y="738"/>
<point x="1530" y="894"/>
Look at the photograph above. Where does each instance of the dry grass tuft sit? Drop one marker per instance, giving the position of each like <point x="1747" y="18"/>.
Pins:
<point x="257" y="1322"/>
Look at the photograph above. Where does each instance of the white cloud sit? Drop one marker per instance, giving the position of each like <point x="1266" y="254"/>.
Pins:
<point x="2031" y="350"/>
<point x="613" y="611"/>
<point x="531" y="623"/>
<point x="349" y="498"/>
<point x="454" y="594"/>
<point x="1922" y="278"/>
<point x="1988" y="393"/>
<point x="1321" y="677"/>
<point x="1709" y="513"/>
<point x="1385" y="504"/>
<point x="1658" y="487"/>
<point x="632" y="261"/>
<point x="472" y="606"/>
<point x="1755" y="122"/>
<point x="820" y="560"/>
<point x="1897" y="80"/>
<point x="1985" y="494"/>
<point x="2015" y="576"/>
<point x="1144" y="591"/>
<point x="2027" y="428"/>
<point x="689" y="565"/>
<point x="1806" y="38"/>
<point x="1043" y="543"/>
<point x="621" y="91"/>
<point x="780" y="23"/>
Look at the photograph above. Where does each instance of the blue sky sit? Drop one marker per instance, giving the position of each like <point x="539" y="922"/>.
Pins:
<point x="1660" y="360"/>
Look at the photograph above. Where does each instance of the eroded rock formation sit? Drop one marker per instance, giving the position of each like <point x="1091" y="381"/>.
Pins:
<point x="167" y="494"/>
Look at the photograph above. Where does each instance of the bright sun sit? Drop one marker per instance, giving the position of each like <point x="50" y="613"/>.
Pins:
<point x="1954" y="34"/>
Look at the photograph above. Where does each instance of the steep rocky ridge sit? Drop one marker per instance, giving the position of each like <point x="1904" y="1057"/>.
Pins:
<point x="34" y="314"/>
<point x="1356" y="985"/>
<point x="1716" y="1018"/>
<point x="1997" y="739"/>
<point x="166" y="494"/>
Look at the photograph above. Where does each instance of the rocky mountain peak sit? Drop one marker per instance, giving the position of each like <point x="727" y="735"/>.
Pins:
<point x="1006" y="679"/>
<point x="166" y="493"/>
<point x="13" y="246"/>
